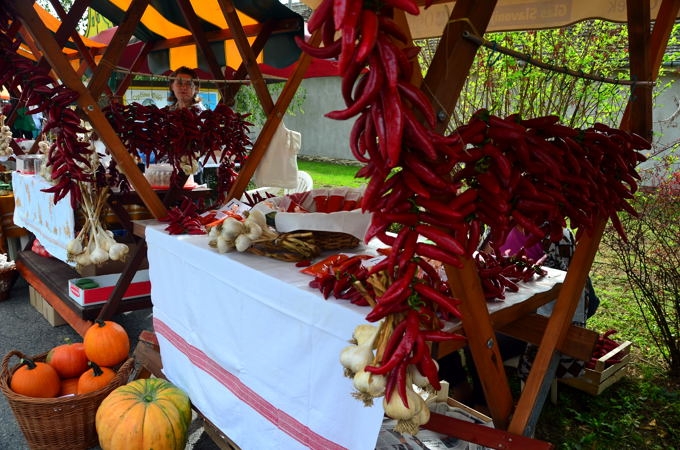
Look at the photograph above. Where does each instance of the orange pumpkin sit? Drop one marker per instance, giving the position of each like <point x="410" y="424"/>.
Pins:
<point x="69" y="360"/>
<point x="106" y="343"/>
<point x="95" y="379"/>
<point x="143" y="414"/>
<point x="69" y="386"/>
<point x="35" y="379"/>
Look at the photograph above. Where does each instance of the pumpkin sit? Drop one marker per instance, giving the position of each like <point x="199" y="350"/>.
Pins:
<point x="147" y="413"/>
<point x="35" y="379"/>
<point x="69" y="360"/>
<point x="69" y="386"/>
<point x="106" y="343"/>
<point x="95" y="378"/>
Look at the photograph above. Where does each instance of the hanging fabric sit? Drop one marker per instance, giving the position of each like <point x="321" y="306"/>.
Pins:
<point x="278" y="167"/>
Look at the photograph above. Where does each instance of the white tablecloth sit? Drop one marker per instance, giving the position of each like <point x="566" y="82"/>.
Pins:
<point x="255" y="348"/>
<point x="53" y="225"/>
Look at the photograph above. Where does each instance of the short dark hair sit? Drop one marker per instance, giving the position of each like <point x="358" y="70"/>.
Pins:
<point x="184" y="70"/>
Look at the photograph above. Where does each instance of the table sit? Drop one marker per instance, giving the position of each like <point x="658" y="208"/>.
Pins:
<point x="52" y="224"/>
<point x="255" y="348"/>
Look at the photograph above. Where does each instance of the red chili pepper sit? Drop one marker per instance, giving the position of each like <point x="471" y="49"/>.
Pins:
<point x="406" y="341"/>
<point x="431" y="251"/>
<point x="367" y="97"/>
<point x="427" y="367"/>
<point x="440" y="209"/>
<point x="441" y="238"/>
<point x="394" y="127"/>
<point x="369" y="34"/>
<point x="441" y="336"/>
<point x="447" y="303"/>
<point x="419" y="101"/>
<point x="322" y="13"/>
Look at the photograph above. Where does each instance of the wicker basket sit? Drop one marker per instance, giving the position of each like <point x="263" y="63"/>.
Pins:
<point x="66" y="423"/>
<point x="7" y="279"/>
<point x="302" y="245"/>
<point x="333" y="240"/>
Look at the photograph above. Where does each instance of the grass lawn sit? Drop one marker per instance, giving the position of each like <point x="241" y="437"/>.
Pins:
<point x="641" y="411"/>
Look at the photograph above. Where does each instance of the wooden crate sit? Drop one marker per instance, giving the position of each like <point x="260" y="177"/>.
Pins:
<point x="45" y="309"/>
<point x="595" y="381"/>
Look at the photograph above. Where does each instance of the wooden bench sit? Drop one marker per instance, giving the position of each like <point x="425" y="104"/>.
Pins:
<point x="49" y="277"/>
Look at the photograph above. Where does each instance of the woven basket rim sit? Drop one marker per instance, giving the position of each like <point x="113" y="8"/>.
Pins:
<point x="6" y="372"/>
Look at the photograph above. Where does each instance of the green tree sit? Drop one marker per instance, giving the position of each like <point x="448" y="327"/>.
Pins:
<point x="505" y="85"/>
<point x="246" y="101"/>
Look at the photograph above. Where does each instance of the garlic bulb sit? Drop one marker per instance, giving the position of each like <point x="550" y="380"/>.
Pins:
<point x="253" y="230"/>
<point x="242" y="242"/>
<point x="240" y="235"/>
<point x="232" y="227"/>
<point x="368" y="386"/>
<point x="365" y="334"/>
<point x="118" y="251"/>
<point x="224" y="245"/>
<point x="5" y="138"/>
<point x="354" y="358"/>
<point x="408" y="416"/>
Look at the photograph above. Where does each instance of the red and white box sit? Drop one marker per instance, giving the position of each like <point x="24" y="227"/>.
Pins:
<point x="140" y="286"/>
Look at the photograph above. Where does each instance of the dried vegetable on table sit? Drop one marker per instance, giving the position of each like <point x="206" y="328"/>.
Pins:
<point x="492" y="172"/>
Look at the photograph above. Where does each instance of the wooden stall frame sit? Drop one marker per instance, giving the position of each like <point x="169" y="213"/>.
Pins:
<point x="442" y="85"/>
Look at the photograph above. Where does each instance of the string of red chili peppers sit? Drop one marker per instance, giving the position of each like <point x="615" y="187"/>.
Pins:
<point x="68" y="155"/>
<point x="508" y="172"/>
<point x="184" y="136"/>
<point x="408" y="166"/>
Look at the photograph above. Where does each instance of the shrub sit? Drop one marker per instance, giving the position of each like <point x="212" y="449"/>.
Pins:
<point x="650" y="257"/>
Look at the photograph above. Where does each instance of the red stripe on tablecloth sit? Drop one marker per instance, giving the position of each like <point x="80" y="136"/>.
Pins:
<point x="283" y="421"/>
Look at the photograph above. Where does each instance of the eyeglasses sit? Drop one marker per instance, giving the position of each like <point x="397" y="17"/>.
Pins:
<point x="184" y="82"/>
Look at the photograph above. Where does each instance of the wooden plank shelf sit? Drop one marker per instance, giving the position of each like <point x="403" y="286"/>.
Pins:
<point x="49" y="277"/>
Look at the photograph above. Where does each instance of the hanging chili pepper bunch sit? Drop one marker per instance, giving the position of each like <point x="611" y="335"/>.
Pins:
<point x="538" y="173"/>
<point x="408" y="166"/>
<point x="69" y="155"/>
<point x="184" y="219"/>
<point x="184" y="137"/>
<point x="411" y="187"/>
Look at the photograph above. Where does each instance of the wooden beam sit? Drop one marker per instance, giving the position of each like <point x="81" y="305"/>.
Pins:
<point x="273" y="121"/>
<point x="640" y="67"/>
<point x="663" y="26"/>
<point x="121" y="38"/>
<point x="483" y="435"/>
<point x="125" y="83"/>
<point x="558" y="324"/>
<point x="247" y="56"/>
<point x="256" y="48"/>
<point x="279" y="26"/>
<point x="89" y="107"/>
<point x="481" y="339"/>
<point x="200" y="38"/>
<point x="454" y="56"/>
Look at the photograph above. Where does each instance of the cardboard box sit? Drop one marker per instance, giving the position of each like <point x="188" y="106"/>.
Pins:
<point x="45" y="309"/>
<point x="139" y="287"/>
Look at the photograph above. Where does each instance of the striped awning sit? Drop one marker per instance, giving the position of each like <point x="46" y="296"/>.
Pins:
<point x="164" y="25"/>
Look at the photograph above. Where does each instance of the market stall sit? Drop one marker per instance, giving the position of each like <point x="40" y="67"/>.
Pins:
<point x="440" y="86"/>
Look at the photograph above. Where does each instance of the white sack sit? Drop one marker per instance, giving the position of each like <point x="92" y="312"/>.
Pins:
<point x="278" y="167"/>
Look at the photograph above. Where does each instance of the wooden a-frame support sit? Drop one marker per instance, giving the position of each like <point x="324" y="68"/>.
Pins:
<point x="442" y="83"/>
